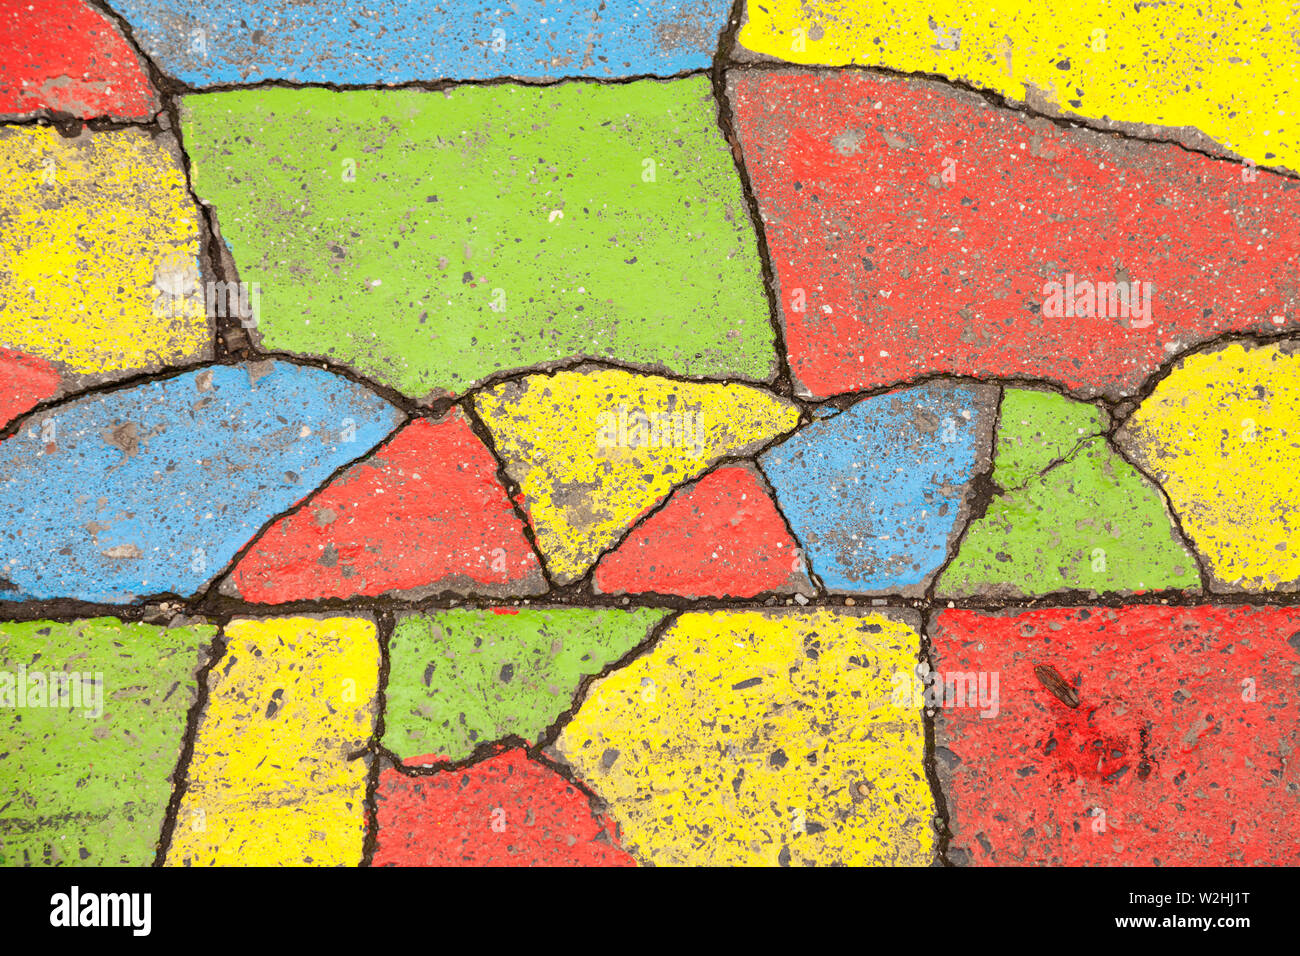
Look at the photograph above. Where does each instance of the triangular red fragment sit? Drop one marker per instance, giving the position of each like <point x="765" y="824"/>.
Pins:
<point x="425" y="514"/>
<point x="719" y="537"/>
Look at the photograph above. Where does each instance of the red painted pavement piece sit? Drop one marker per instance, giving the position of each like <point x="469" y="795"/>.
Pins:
<point x="67" y="57"/>
<point x="425" y="514"/>
<point x="1163" y="742"/>
<point x="719" y="537"/>
<point x="906" y="274"/>
<point x="25" y="381"/>
<point x="505" y="811"/>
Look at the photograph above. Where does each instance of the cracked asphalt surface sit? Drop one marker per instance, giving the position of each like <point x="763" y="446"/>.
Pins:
<point x="630" y="433"/>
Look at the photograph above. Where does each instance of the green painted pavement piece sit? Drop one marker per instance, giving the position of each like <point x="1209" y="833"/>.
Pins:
<point x="467" y="677"/>
<point x="1037" y="428"/>
<point x="1092" y="523"/>
<point x="487" y="228"/>
<point x="92" y="790"/>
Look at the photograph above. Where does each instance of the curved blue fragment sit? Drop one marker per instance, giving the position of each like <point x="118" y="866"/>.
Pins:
<point x="153" y="489"/>
<point x="400" y="41"/>
<point x="877" y="493"/>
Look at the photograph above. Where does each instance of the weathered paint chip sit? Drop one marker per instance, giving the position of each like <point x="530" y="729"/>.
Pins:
<point x="25" y="381"/>
<point x="594" y="449"/>
<point x="958" y="237"/>
<point x="878" y="493"/>
<point x="1038" y="428"/>
<point x="460" y="679"/>
<point x="1177" y="753"/>
<point x="153" y="489"/>
<point x="86" y="768"/>
<point x="1218" y="67"/>
<point x="101" y="253"/>
<point x="439" y="239"/>
<point x="398" y="41"/>
<point x="424" y="514"/>
<point x="1221" y="434"/>
<point x="275" y="779"/>
<point x="721" y="536"/>
<point x="762" y="737"/>
<point x="508" y="810"/>
<point x="66" y="56"/>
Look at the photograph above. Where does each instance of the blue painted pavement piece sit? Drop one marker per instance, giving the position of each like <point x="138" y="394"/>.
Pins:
<point x="877" y="493"/>
<point x="398" y="41"/>
<point x="154" y="488"/>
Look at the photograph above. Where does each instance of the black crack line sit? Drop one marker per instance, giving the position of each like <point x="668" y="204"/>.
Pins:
<point x="203" y="598"/>
<point x="399" y="400"/>
<point x="70" y="127"/>
<point x="128" y="381"/>
<point x="384" y="624"/>
<point x="819" y="588"/>
<point x="1176" y="521"/>
<point x="131" y="380"/>
<point x="541" y="749"/>
<point x="514" y="493"/>
<point x="175" y="612"/>
<point x="941" y="824"/>
<point x="982" y="491"/>
<point x="1051" y="466"/>
<point x="599" y="808"/>
<point x="180" y="779"/>
<point x="584" y="363"/>
<point x="784" y="383"/>
<point x="210" y="253"/>
<point x="654" y="636"/>
<point x="179" y="88"/>
<point x="1121" y="129"/>
<point x="586" y="581"/>
<point x="1247" y="339"/>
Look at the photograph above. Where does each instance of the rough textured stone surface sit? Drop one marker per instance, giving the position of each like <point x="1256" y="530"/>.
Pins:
<point x="1178" y="752"/>
<point x="593" y="450"/>
<point x="506" y="811"/>
<point x="25" y="381"/>
<point x="915" y="229"/>
<point x="396" y="41"/>
<point x="100" y="250"/>
<point x="878" y="493"/>
<point x="1221" y="434"/>
<point x="460" y="679"/>
<point x="439" y="239"/>
<point x="425" y="514"/>
<point x="1076" y="517"/>
<point x="1216" y="68"/>
<point x="86" y="768"/>
<point x="719" y="537"/>
<point x="762" y="737"/>
<point x="276" y="778"/>
<point x="1038" y="428"/>
<point x="152" y="489"/>
<point x="66" y="57"/>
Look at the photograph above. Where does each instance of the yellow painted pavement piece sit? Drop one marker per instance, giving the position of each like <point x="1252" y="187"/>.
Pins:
<point x="99" y="252"/>
<point x="753" y="737"/>
<point x="592" y="450"/>
<point x="271" y="782"/>
<point x="1224" y="68"/>
<point x="1221" y="434"/>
